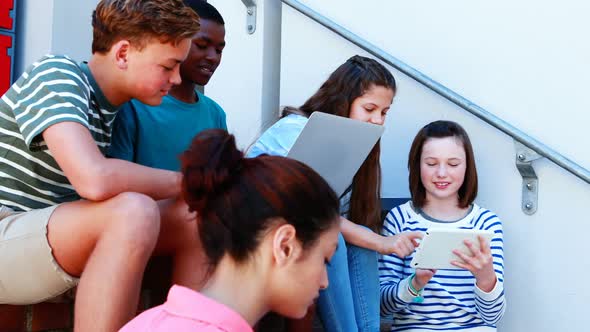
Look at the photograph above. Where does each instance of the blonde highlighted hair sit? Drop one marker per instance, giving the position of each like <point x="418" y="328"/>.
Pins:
<point x="141" y="21"/>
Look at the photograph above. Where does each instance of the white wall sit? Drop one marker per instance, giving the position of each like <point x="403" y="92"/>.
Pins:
<point x="74" y="42"/>
<point x="53" y="26"/>
<point x="525" y="62"/>
<point x="246" y="84"/>
<point x="33" y="32"/>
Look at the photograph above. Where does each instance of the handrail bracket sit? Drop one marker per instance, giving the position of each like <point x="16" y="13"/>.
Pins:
<point x="530" y="183"/>
<point x="250" y="15"/>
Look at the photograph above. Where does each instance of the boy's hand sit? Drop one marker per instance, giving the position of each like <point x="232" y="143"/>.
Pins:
<point x="401" y="244"/>
<point x="480" y="263"/>
<point x="422" y="277"/>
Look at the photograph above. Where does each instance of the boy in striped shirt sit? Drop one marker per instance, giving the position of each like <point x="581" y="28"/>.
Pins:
<point x="68" y="215"/>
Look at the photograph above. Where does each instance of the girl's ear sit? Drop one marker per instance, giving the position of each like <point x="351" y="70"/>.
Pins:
<point x="286" y="247"/>
<point x="121" y="52"/>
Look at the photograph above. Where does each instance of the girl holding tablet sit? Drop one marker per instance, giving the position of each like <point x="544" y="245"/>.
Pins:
<point x="360" y="89"/>
<point x="268" y="226"/>
<point x="443" y="184"/>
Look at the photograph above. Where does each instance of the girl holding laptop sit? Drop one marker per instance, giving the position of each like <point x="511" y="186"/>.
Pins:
<point x="360" y="89"/>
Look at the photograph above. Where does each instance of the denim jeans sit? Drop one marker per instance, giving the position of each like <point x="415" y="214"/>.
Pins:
<point x="351" y="301"/>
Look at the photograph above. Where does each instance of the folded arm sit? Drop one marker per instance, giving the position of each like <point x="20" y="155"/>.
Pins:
<point x="96" y="177"/>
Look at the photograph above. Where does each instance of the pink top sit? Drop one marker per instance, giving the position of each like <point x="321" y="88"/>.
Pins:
<point x="187" y="310"/>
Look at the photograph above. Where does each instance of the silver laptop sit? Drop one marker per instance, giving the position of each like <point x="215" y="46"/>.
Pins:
<point x="335" y="147"/>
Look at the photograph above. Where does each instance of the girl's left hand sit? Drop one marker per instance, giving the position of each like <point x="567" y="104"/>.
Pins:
<point x="480" y="263"/>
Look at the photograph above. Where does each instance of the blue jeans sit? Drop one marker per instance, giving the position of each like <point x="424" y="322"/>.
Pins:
<point x="351" y="301"/>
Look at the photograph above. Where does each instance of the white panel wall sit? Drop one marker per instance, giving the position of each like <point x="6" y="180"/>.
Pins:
<point x="53" y="26"/>
<point x="33" y="30"/>
<point x="74" y="42"/>
<point x="246" y="84"/>
<point x="527" y="63"/>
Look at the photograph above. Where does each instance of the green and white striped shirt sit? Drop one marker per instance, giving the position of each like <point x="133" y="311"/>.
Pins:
<point x="54" y="89"/>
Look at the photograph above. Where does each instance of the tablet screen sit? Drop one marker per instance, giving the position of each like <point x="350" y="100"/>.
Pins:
<point x="436" y="248"/>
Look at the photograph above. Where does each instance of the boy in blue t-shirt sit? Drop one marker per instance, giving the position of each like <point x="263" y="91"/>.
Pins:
<point x="155" y="136"/>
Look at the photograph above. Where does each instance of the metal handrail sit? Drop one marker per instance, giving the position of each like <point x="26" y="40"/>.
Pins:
<point x="445" y="92"/>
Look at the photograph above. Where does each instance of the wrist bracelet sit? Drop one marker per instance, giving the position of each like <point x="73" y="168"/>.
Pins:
<point x="417" y="294"/>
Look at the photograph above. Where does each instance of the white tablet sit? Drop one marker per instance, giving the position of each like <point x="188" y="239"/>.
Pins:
<point x="335" y="147"/>
<point x="436" y="248"/>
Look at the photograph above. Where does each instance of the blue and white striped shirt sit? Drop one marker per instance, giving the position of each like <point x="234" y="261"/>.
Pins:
<point x="452" y="301"/>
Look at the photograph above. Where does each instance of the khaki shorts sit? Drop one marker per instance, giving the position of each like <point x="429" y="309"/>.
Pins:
<point x="28" y="271"/>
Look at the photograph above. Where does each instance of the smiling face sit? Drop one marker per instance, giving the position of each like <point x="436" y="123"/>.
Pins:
<point x="154" y="69"/>
<point x="299" y="285"/>
<point x="205" y="53"/>
<point x="373" y="105"/>
<point x="442" y="168"/>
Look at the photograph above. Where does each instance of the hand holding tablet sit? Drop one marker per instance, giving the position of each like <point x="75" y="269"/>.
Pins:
<point x="437" y="246"/>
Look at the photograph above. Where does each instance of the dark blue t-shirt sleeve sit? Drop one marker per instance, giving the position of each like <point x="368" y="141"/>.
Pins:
<point x="124" y="135"/>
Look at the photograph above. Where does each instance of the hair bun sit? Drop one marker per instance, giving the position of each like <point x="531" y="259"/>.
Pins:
<point x="209" y="167"/>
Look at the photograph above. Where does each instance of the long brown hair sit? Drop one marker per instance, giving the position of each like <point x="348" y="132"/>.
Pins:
<point x="348" y="82"/>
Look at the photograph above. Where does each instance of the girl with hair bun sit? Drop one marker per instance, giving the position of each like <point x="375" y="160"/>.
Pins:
<point x="268" y="226"/>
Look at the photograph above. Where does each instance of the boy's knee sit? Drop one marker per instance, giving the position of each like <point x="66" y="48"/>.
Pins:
<point x="137" y="219"/>
<point x="136" y="206"/>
